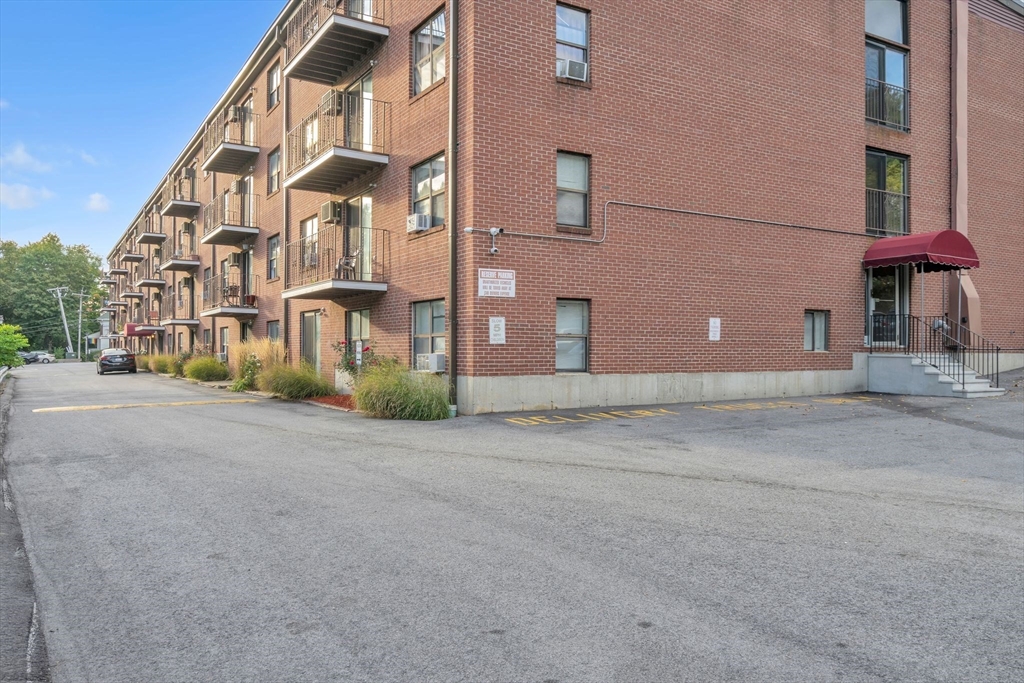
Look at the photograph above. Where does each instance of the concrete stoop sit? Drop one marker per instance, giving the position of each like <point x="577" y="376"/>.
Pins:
<point x="908" y="375"/>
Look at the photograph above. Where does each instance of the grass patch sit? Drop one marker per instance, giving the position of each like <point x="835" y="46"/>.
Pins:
<point x="161" y="364"/>
<point x="304" y="381"/>
<point x="206" y="369"/>
<point x="392" y="392"/>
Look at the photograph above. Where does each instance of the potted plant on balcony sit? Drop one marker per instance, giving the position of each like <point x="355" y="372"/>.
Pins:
<point x="249" y="300"/>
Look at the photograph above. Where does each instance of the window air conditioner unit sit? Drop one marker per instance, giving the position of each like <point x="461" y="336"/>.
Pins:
<point x="237" y="186"/>
<point x="187" y="228"/>
<point x="417" y="222"/>
<point x="235" y="114"/>
<point x="331" y="102"/>
<point x="332" y="212"/>
<point x="188" y="172"/>
<point x="570" y="68"/>
<point x="430" y="362"/>
<point x="235" y="260"/>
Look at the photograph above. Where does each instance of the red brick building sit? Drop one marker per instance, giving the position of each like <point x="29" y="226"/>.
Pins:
<point x="683" y="193"/>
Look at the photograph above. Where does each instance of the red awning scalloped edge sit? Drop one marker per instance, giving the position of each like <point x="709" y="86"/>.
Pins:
<point x="942" y="250"/>
<point x="130" y="330"/>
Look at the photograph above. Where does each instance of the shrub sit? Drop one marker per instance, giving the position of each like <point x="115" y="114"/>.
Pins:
<point x="206" y="369"/>
<point x="369" y="358"/>
<point x="162" y="364"/>
<point x="245" y="378"/>
<point x="268" y="352"/>
<point x="11" y="340"/>
<point x="304" y="381"/>
<point x="390" y="391"/>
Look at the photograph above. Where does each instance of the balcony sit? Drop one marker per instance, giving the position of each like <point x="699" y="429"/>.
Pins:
<point x="145" y="278"/>
<point x="343" y="139"/>
<point x="142" y="323"/>
<point x="336" y="262"/>
<point x="325" y="39"/>
<point x="888" y="213"/>
<point x="887" y="104"/>
<point x="108" y="281"/>
<point x="175" y="311"/>
<point x="179" y="262"/>
<point x="179" y="195"/>
<point x="231" y="219"/>
<point x="133" y="294"/>
<point x="117" y="271"/>
<point x="231" y="140"/>
<point x="118" y="304"/>
<point x="150" y="238"/>
<point x="230" y="295"/>
<point x="132" y="257"/>
<point x="109" y="309"/>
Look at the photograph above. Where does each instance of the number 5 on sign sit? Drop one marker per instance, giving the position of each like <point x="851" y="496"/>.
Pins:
<point x="497" y="330"/>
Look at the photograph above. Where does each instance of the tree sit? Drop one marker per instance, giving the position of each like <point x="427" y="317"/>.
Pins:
<point x="27" y="272"/>
<point x="11" y="339"/>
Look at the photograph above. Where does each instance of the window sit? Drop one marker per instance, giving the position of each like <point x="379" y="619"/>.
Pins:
<point x="274" y="86"/>
<point x="571" y="37"/>
<point x="308" y="229"/>
<point x="428" y="327"/>
<point x="207" y="338"/>
<point x="357" y="327"/>
<point x="207" y="275"/>
<point x="572" y="327"/>
<point x="273" y="256"/>
<point x="428" y="53"/>
<point x="887" y="198"/>
<point x="274" y="171"/>
<point x="274" y="330"/>
<point x="428" y="189"/>
<point x="573" y="184"/>
<point x="886" y="19"/>
<point x="224" y="340"/>
<point x="181" y="342"/>
<point x="816" y="330"/>
<point x="309" y="338"/>
<point x="885" y="82"/>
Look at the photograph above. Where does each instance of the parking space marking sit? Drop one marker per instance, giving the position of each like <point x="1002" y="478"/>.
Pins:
<point x="171" y="404"/>
<point x="773" y="405"/>
<point x="588" y="417"/>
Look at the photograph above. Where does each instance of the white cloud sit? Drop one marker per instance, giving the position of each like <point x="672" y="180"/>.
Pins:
<point x="97" y="202"/>
<point x="87" y="158"/>
<point x="19" y="158"/>
<point x="22" y="196"/>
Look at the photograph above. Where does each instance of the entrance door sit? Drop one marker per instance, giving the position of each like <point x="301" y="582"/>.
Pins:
<point x="359" y="114"/>
<point x="309" y="338"/>
<point x="359" y="237"/>
<point x="886" y="303"/>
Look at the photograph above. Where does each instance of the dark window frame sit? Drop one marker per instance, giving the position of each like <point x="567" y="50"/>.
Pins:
<point x="431" y="195"/>
<point x="416" y="86"/>
<point x="878" y="205"/>
<point x="814" y="315"/>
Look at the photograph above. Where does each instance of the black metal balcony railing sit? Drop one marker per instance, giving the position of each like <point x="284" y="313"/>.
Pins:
<point x="180" y="188"/>
<point x="312" y="14"/>
<point x="951" y="348"/>
<point x="242" y="210"/>
<point x="342" y="120"/>
<point x="339" y="253"/>
<point x="143" y="316"/>
<point x="888" y="213"/>
<point x="887" y="104"/>
<point x="236" y="125"/>
<point x="231" y="289"/>
<point x="180" y="308"/>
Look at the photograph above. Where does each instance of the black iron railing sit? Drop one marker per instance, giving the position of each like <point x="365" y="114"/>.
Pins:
<point x="173" y="306"/>
<point x="888" y="213"/>
<point x="342" y="120"/>
<point x="242" y="210"/>
<point x="339" y="252"/>
<point x="231" y="289"/>
<point x="951" y="348"/>
<point x="237" y="125"/>
<point x="312" y="14"/>
<point x="181" y="187"/>
<point x="887" y="104"/>
<point x="143" y="316"/>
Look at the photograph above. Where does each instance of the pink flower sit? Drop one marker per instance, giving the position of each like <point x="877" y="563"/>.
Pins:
<point x="365" y="349"/>
<point x="341" y="343"/>
<point x="351" y="362"/>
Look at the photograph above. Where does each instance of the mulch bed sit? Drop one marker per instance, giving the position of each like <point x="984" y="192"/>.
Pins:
<point x="339" y="400"/>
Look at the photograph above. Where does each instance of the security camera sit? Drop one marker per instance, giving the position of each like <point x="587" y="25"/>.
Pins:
<point x="494" y="250"/>
<point x="494" y="231"/>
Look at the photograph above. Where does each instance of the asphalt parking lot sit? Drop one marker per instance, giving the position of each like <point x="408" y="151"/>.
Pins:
<point x="852" y="538"/>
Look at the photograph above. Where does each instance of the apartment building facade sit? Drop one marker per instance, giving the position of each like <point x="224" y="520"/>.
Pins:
<point x="622" y="203"/>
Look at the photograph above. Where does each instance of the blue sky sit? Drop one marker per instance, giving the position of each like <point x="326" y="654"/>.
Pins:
<point x="98" y="98"/>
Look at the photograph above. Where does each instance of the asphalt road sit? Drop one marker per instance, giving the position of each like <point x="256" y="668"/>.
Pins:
<point x="815" y="540"/>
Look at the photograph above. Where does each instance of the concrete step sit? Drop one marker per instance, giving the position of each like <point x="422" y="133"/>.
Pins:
<point x="910" y="375"/>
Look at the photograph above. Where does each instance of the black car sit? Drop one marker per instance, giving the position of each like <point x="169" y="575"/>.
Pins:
<point x="116" y="360"/>
<point x="28" y="356"/>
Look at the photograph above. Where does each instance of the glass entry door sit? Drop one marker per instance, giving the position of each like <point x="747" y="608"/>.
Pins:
<point x="359" y="237"/>
<point x="886" y="303"/>
<point x="359" y="114"/>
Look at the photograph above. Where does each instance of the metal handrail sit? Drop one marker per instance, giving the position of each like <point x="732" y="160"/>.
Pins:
<point x="946" y="345"/>
<point x="181" y="187"/>
<point x="887" y="213"/>
<point x="236" y="125"/>
<point x="174" y="307"/>
<point x="339" y="252"/>
<point x="887" y="104"/>
<point x="231" y="289"/>
<point x="341" y="120"/>
<point x="310" y="15"/>
<point x="242" y="210"/>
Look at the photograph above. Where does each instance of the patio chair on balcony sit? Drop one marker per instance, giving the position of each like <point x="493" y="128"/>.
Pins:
<point x="231" y="293"/>
<point x="346" y="268"/>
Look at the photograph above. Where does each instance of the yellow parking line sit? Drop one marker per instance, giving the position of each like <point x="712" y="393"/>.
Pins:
<point x="68" y="409"/>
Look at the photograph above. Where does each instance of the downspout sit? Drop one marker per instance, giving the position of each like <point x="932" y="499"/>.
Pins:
<point x="285" y="193"/>
<point x="453" y="203"/>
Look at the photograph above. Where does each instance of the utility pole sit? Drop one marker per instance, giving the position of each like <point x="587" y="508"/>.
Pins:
<point x="81" y="296"/>
<point x="58" y="293"/>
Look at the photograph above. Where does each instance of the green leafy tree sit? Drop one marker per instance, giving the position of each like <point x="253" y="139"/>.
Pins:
<point x="26" y="272"/>
<point x="11" y="339"/>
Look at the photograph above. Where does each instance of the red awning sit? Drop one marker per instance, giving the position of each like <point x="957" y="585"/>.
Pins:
<point x="942" y="250"/>
<point x="130" y="330"/>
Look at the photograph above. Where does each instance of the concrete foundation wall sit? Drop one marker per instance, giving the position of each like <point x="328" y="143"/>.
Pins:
<point x="547" y="392"/>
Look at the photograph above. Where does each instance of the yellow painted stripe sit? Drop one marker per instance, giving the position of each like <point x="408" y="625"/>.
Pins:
<point x="68" y="409"/>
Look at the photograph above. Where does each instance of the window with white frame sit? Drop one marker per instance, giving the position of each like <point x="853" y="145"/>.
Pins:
<point x="273" y="330"/>
<point x="572" y="38"/>
<point x="224" y="342"/>
<point x="428" y="43"/>
<point x="572" y="332"/>
<point x="573" y="188"/>
<point x="357" y="327"/>
<point x="816" y="330"/>
<point x="428" y="327"/>
<point x="274" y="86"/>
<point x="428" y="189"/>
<point x="274" y="171"/>
<point x="308" y="229"/>
<point x="273" y="257"/>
